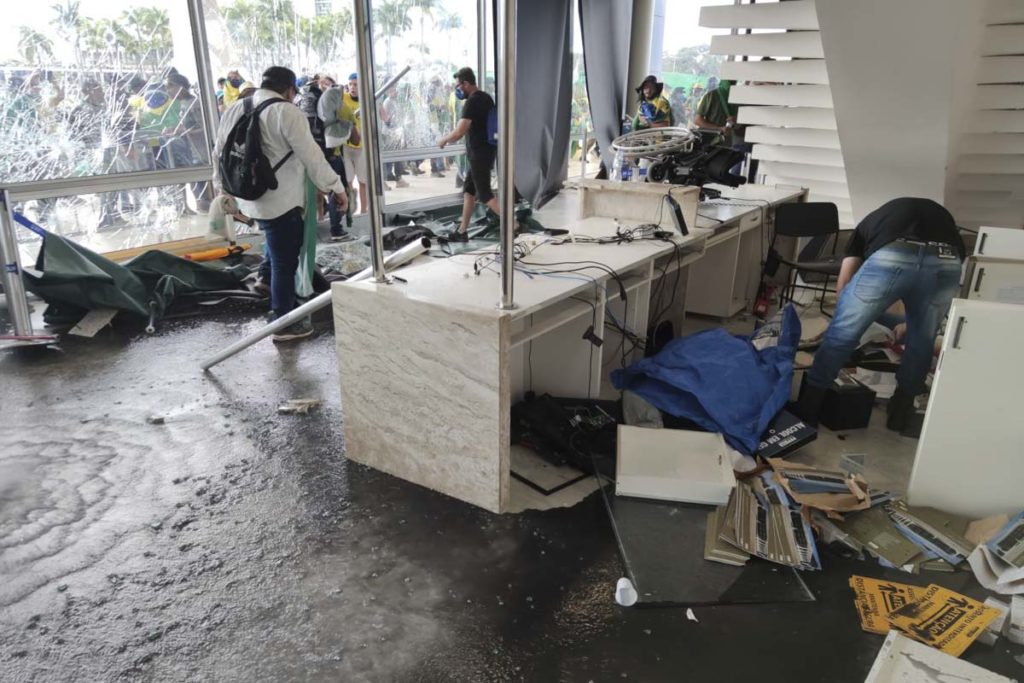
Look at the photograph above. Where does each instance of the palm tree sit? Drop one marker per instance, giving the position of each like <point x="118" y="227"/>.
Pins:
<point x="33" y="46"/>
<point x="145" y="33"/>
<point x="426" y="9"/>
<point x="327" y="32"/>
<point x="391" y="19"/>
<point x="446" y="22"/>
<point x="68" y="23"/>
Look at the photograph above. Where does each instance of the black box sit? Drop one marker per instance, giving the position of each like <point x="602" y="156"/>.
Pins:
<point x="785" y="434"/>
<point x="847" y="404"/>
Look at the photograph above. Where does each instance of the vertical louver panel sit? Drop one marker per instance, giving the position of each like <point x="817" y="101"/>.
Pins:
<point x="985" y="182"/>
<point x="785" y="102"/>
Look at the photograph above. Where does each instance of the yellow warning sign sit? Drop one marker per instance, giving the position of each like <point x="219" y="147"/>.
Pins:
<point x="943" y="619"/>
<point x="876" y="599"/>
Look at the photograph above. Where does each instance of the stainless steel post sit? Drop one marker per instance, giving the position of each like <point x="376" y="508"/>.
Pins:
<point x="371" y="152"/>
<point x="506" y="146"/>
<point x="204" y="72"/>
<point x="482" y="8"/>
<point x="14" y="288"/>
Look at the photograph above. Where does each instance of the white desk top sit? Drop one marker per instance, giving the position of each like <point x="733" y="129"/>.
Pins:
<point x="451" y="282"/>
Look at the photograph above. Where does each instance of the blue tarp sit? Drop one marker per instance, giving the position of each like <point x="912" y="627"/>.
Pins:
<point x="720" y="381"/>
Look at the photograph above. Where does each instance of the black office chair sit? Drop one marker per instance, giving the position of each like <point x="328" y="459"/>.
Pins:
<point x="820" y="222"/>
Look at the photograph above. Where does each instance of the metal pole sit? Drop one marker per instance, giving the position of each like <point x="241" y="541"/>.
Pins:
<point x="14" y="288"/>
<point x="374" y="194"/>
<point x="506" y="145"/>
<point x="204" y="71"/>
<point x="384" y="88"/>
<point x="400" y="257"/>
<point x="482" y="7"/>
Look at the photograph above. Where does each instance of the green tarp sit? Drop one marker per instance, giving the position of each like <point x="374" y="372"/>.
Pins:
<point x="74" y="280"/>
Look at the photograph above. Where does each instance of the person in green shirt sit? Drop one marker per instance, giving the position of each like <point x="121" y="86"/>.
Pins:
<point x="654" y="110"/>
<point x="714" y="111"/>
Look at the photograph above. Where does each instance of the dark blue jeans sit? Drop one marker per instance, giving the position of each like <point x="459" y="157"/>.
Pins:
<point x="284" y="240"/>
<point x="925" y="283"/>
<point x="335" y="213"/>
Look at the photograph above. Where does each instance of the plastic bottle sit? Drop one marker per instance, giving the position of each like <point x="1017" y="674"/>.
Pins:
<point x="618" y="168"/>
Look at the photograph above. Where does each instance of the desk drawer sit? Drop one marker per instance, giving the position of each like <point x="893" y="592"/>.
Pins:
<point x="751" y="220"/>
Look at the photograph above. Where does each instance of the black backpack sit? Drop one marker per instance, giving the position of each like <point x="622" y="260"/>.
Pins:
<point x="245" y="172"/>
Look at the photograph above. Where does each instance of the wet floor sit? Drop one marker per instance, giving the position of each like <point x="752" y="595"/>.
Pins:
<point x="161" y="524"/>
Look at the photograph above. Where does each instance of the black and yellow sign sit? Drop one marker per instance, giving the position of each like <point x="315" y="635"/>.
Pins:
<point x="943" y="619"/>
<point x="876" y="599"/>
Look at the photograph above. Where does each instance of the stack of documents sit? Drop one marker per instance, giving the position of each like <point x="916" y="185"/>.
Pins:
<point x="999" y="564"/>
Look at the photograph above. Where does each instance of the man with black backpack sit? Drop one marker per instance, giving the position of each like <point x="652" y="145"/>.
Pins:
<point x="263" y="154"/>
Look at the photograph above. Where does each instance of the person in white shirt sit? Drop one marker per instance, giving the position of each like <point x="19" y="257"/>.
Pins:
<point x="279" y="213"/>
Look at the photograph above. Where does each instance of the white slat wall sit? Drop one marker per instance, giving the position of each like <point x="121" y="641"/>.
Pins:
<point x="986" y="182"/>
<point x="790" y="119"/>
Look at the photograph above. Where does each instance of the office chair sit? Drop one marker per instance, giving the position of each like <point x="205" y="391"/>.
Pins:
<point x="820" y="222"/>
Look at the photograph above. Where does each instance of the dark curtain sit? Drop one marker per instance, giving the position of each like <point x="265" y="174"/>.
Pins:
<point x="606" y="26"/>
<point x="543" y="96"/>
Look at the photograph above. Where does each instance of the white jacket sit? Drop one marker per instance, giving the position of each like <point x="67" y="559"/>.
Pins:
<point x="283" y="128"/>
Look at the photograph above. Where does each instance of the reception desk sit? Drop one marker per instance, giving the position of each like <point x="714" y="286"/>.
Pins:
<point x="430" y="367"/>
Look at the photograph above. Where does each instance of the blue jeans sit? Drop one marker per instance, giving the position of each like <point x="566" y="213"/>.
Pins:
<point x="284" y="241"/>
<point x="925" y="283"/>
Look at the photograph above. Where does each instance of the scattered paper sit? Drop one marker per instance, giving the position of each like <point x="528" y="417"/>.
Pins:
<point x="994" y="574"/>
<point x="1008" y="542"/>
<point x="882" y="383"/>
<point x="854" y="498"/>
<point x="1014" y="630"/>
<point x="943" y="619"/>
<point x="298" y="406"/>
<point x="690" y="615"/>
<point x="995" y="629"/>
<point x="93" y="321"/>
<point x="875" y="600"/>
<point x="901" y="660"/>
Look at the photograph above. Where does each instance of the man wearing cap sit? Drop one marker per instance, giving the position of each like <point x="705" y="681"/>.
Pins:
<point x="654" y="110"/>
<point x="285" y="139"/>
<point x="479" y="151"/>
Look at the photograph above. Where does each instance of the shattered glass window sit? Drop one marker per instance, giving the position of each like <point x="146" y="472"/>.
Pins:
<point x="92" y="87"/>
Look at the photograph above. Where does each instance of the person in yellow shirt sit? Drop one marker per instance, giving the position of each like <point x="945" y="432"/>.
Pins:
<point x="654" y="110"/>
<point x="355" y="160"/>
<point x="232" y="88"/>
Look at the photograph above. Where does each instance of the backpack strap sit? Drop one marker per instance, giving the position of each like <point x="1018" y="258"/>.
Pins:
<point x="256" y="112"/>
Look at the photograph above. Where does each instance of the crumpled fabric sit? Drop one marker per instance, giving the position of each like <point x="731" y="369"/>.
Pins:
<point x="721" y="382"/>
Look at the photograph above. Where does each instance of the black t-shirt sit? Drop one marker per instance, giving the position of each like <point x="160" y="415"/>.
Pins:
<point x="477" y="106"/>
<point x="909" y="217"/>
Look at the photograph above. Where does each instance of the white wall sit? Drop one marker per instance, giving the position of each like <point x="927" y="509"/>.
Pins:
<point x="898" y="77"/>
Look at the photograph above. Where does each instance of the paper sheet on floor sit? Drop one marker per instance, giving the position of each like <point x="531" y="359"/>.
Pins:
<point x="882" y="383"/>
<point x="994" y="574"/>
<point x="901" y="660"/>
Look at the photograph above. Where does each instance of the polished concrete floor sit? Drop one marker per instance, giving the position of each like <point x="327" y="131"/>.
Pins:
<point x="160" y="524"/>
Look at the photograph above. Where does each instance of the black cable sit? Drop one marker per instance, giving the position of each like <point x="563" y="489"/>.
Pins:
<point x="590" y="365"/>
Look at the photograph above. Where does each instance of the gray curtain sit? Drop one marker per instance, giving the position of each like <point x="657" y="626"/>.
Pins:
<point x="606" y="26"/>
<point x="543" y="97"/>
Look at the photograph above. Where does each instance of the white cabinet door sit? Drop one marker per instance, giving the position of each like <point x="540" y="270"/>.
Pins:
<point x="970" y="458"/>
<point x="1000" y="243"/>
<point x="996" y="279"/>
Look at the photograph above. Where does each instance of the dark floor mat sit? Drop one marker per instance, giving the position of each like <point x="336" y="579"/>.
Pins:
<point x="662" y="546"/>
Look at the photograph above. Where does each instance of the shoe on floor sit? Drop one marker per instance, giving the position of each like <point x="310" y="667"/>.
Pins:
<point x="261" y="288"/>
<point x="457" y="236"/>
<point x="339" y="235"/>
<point x="296" y="331"/>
